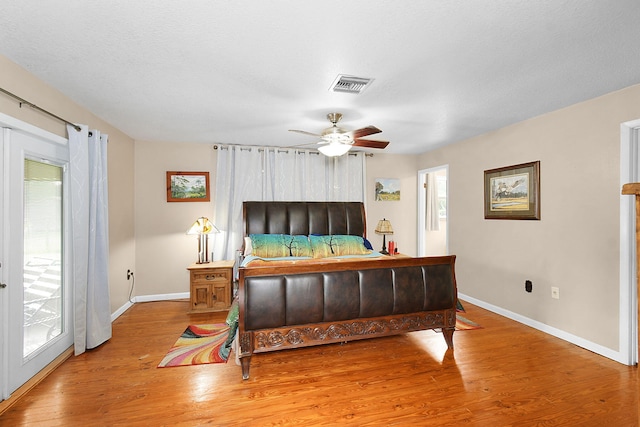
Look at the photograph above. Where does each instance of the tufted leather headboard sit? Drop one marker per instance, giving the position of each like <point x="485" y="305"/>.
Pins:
<point x="304" y="218"/>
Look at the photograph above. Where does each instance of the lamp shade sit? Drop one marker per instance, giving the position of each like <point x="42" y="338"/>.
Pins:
<point x="202" y="226"/>
<point x="384" y="227"/>
<point x="334" y="149"/>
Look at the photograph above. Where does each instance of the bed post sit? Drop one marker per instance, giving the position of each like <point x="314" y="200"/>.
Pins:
<point x="448" y="337"/>
<point x="449" y="328"/>
<point x="245" y="353"/>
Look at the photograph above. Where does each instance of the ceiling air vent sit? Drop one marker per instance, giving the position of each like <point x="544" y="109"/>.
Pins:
<point x="350" y="84"/>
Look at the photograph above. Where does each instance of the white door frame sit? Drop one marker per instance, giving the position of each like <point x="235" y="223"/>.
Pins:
<point x="422" y="202"/>
<point x="628" y="323"/>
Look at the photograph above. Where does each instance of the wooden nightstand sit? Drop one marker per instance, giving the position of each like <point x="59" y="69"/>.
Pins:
<point x="210" y="286"/>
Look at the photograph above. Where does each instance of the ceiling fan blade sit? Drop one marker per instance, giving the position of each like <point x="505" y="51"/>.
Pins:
<point x="306" y="133"/>
<point x="307" y="144"/>
<point x="360" y="133"/>
<point x="370" y="143"/>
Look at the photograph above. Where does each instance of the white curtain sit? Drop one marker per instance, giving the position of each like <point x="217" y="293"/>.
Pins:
<point x="90" y="238"/>
<point x="266" y="173"/>
<point x="433" y="208"/>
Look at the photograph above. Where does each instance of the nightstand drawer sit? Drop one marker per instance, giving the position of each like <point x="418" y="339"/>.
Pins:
<point x="211" y="276"/>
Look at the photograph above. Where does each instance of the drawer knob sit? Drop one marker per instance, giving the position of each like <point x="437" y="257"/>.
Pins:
<point x="213" y="276"/>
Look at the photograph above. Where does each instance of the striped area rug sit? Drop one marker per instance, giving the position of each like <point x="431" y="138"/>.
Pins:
<point x="199" y="344"/>
<point x="464" y="324"/>
<point x="203" y="344"/>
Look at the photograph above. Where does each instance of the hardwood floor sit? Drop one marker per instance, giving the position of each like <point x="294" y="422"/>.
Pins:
<point x="505" y="374"/>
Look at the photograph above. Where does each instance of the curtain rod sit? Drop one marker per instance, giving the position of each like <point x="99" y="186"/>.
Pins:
<point x="283" y="149"/>
<point x="42" y="110"/>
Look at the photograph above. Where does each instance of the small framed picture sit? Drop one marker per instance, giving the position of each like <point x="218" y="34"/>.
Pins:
<point x="512" y="192"/>
<point x="188" y="187"/>
<point x="387" y="189"/>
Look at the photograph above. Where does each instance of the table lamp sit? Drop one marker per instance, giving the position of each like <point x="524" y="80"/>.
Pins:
<point x="202" y="228"/>
<point x="384" y="228"/>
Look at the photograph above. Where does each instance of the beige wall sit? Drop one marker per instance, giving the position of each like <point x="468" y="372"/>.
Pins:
<point x="120" y="162"/>
<point x="575" y="246"/>
<point x="402" y="213"/>
<point x="163" y="249"/>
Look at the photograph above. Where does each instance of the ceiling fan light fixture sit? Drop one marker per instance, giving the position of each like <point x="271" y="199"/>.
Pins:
<point x="339" y="136"/>
<point x="334" y="149"/>
<point x="336" y="141"/>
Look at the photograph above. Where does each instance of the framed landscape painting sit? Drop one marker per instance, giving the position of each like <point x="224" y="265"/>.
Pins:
<point x="188" y="187"/>
<point x="387" y="189"/>
<point x="512" y="192"/>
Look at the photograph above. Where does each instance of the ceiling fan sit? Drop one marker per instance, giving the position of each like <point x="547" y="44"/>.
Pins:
<point x="337" y="141"/>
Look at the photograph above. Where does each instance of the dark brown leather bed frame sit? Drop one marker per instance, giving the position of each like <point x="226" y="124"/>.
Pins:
<point x="305" y="305"/>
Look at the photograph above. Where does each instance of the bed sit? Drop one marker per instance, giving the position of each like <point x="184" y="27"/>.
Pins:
<point x="300" y="300"/>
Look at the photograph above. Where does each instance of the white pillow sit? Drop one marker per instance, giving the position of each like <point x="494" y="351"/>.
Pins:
<point x="247" y="246"/>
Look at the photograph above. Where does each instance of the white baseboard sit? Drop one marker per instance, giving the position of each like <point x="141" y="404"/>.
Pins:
<point x="574" y="339"/>
<point x="148" y="298"/>
<point x="121" y="310"/>
<point x="162" y="297"/>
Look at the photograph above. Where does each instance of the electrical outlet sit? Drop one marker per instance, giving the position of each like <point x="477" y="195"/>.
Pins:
<point x="129" y="274"/>
<point x="555" y="293"/>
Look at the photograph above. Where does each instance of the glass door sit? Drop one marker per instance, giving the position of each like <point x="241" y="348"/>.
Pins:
<point x="43" y="254"/>
<point x="35" y="225"/>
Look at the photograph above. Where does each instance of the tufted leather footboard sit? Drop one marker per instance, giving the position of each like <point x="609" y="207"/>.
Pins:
<point x="290" y="307"/>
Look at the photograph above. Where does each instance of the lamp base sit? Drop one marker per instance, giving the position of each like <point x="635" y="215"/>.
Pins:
<point x="203" y="249"/>
<point x="384" y="245"/>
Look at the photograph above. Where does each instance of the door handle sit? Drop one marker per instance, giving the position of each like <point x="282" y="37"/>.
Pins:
<point x="3" y="285"/>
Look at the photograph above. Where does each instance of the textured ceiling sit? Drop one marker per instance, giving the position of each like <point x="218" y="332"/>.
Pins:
<point x="244" y="72"/>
